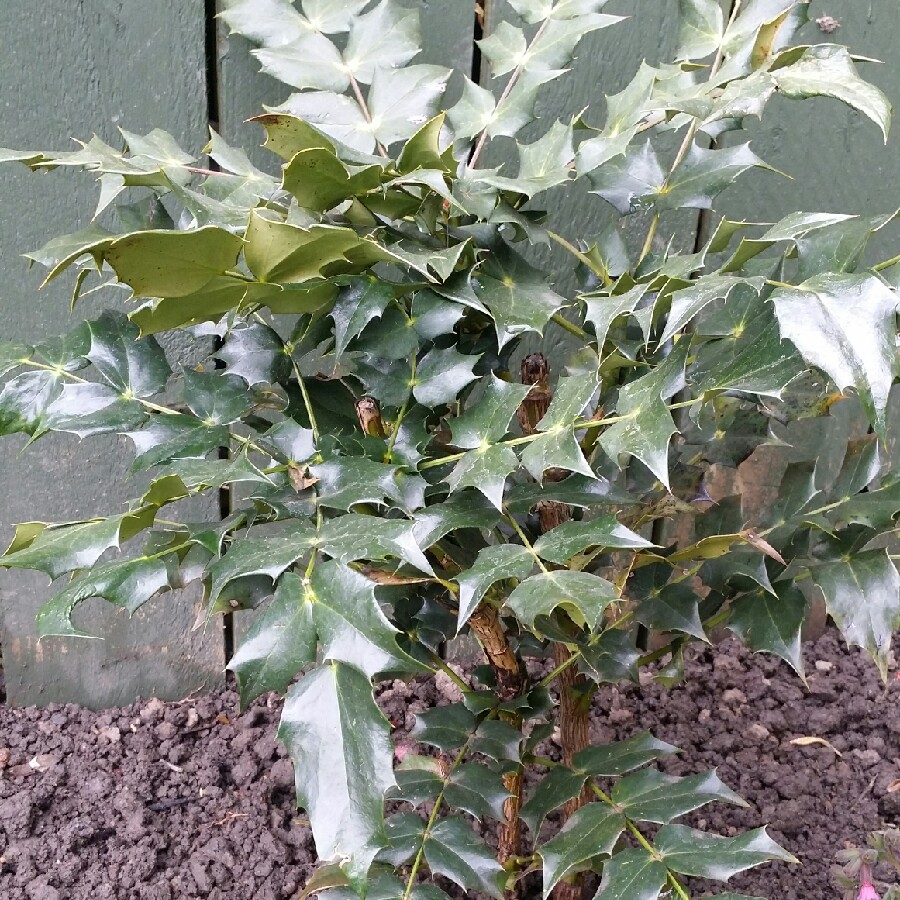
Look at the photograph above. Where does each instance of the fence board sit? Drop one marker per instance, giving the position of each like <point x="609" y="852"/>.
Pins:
<point x="88" y="69"/>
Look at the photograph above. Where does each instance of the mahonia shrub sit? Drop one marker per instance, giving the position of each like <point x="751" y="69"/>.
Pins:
<point x="403" y="471"/>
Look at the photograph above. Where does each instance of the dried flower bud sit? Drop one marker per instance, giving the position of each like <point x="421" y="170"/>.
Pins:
<point x="828" y="24"/>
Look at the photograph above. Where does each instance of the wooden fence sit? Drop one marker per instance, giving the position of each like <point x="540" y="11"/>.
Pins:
<point x="70" y="69"/>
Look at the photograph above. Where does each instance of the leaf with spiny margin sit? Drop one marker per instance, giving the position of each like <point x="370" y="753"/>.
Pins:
<point x="625" y="181"/>
<point x="632" y="874"/>
<point x="401" y="100"/>
<point x="58" y="549"/>
<point x="255" y="352"/>
<point x="648" y="427"/>
<point x="534" y="11"/>
<point x="11" y="356"/>
<point x="543" y="164"/>
<point x="350" y="623"/>
<point x="601" y="311"/>
<point x="128" y="584"/>
<point x="386" y="37"/>
<point x="454" y="850"/>
<point x="486" y="420"/>
<point x="357" y="304"/>
<point x="253" y="554"/>
<point x="355" y="536"/>
<point x="478" y="790"/>
<point x="582" y="595"/>
<point x="839" y="247"/>
<point x="828" y="71"/>
<point x="703" y="855"/>
<point x="517" y="294"/>
<point x="564" y="541"/>
<point x="674" y="608"/>
<point x="473" y="112"/>
<point x="557" y="787"/>
<point x="216" y="399"/>
<point x="770" y="622"/>
<point x="441" y="375"/>
<point x="320" y="181"/>
<point x="419" y="780"/>
<point x="345" y="481"/>
<point x="569" y="400"/>
<point x="175" y="437"/>
<point x="336" y="115"/>
<point x="576" y="490"/>
<point x="845" y="325"/>
<point x="862" y="595"/>
<point x="208" y="304"/>
<point x="703" y="175"/>
<point x="126" y="362"/>
<point x="88" y="408"/>
<point x="340" y="745"/>
<point x="423" y="149"/>
<point x="486" y="470"/>
<point x="495" y="563"/>
<point x="445" y="727"/>
<point x="504" y="47"/>
<point x="432" y="315"/>
<point x="690" y="301"/>
<point x="498" y="740"/>
<point x="264" y="21"/>
<point x="25" y="398"/>
<point x="465" y="510"/>
<point x="701" y="25"/>
<point x="608" y="760"/>
<point x="590" y="831"/>
<point x="611" y="657"/>
<point x="405" y="832"/>
<point x="172" y="263"/>
<point x="653" y="796"/>
<point x="552" y="48"/>
<point x="310" y="60"/>
<point x="278" y="644"/>
<point x="555" y="449"/>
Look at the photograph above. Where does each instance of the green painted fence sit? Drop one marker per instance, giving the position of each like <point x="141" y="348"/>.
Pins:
<point x="74" y="69"/>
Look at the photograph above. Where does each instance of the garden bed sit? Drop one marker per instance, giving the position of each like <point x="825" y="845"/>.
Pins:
<point x="163" y="801"/>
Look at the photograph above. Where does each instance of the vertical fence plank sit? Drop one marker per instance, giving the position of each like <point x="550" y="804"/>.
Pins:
<point x="88" y="70"/>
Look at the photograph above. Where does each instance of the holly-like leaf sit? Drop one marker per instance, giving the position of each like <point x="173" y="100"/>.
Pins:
<point x="467" y="509"/>
<point x="445" y="727"/>
<point x="486" y="421"/>
<point x="494" y="563"/>
<point x="771" y="622"/>
<point x="626" y="181"/>
<point x="401" y="99"/>
<point x="441" y="375"/>
<point x="386" y="37"/>
<point x="844" y="325"/>
<point x="279" y="643"/>
<point x="608" y="760"/>
<point x="590" y="831"/>
<point x="632" y="874"/>
<point x="335" y="115"/>
<point x="485" y="469"/>
<point x="350" y="623"/>
<point x="128" y="363"/>
<point x="701" y="25"/>
<point x="582" y="595"/>
<point x="452" y="849"/>
<point x="517" y="294"/>
<point x="320" y="181"/>
<point x="674" y="608"/>
<point x="344" y="482"/>
<point x="703" y="855"/>
<point x="602" y="310"/>
<point x="256" y="353"/>
<point x="690" y="301"/>
<point x="478" y="790"/>
<point x="862" y="595"/>
<point x="552" y="791"/>
<point x="340" y="744"/>
<point x="611" y="657"/>
<point x="175" y="437"/>
<point x="652" y="796"/>
<point x="310" y="60"/>
<point x="355" y="536"/>
<point x="828" y="71"/>
<point x="543" y="164"/>
<point x="647" y="427"/>
<point x="268" y="554"/>
<point x="128" y="584"/>
<point x="216" y="399"/>
<point x="569" y="538"/>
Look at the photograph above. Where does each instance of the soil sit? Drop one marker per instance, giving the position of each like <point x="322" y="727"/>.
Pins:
<point x="165" y="801"/>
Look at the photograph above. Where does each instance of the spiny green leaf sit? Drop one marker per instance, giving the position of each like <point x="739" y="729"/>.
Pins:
<point x="652" y="796"/>
<point x="255" y="352"/>
<point x="674" y="608"/>
<point x="268" y="555"/>
<point x="543" y="164"/>
<point x="345" y="481"/>
<point x="128" y="584"/>
<point x="444" y="727"/>
<point x="340" y="745"/>
<point x="559" y="785"/>
<point x="611" y="657"/>
<point x="216" y="399"/>
<point x="127" y="363"/>
<point x="352" y="537"/>
<point x="58" y="549"/>
<point x="608" y="760"/>
<point x="336" y="115"/>
<point x="632" y="874"/>
<point x="582" y="595"/>
<point x="401" y="100"/>
<point x="601" y="310"/>
<point x="495" y="563"/>
<point x="689" y="302"/>
<point x="701" y="26"/>
<point x="828" y="71"/>
<point x="350" y="623"/>
<point x="320" y="181"/>
<point x="467" y="509"/>
<point x="590" y="831"/>
<point x="278" y="644"/>
<point x="844" y="325"/>
<point x="862" y="595"/>
<point x="175" y="437"/>
<point x="386" y="37"/>
<point x="441" y="375"/>
<point x="486" y="421"/>
<point x="485" y="469"/>
<point x="172" y="263"/>
<point x="555" y="449"/>
<point x="308" y="61"/>
<point x="771" y="623"/>
<point x="87" y="408"/>
<point x="569" y="538"/>
<point x="703" y="855"/>
<point x="626" y="181"/>
<point x="478" y="790"/>
<point x="452" y="849"/>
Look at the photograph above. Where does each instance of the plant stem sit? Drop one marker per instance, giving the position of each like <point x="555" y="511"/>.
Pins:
<point x="307" y="403"/>
<point x="571" y="327"/>
<point x="583" y="258"/>
<point x="364" y="108"/>
<point x="403" y="411"/>
<point x="880" y="267"/>
<point x="442" y="665"/>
